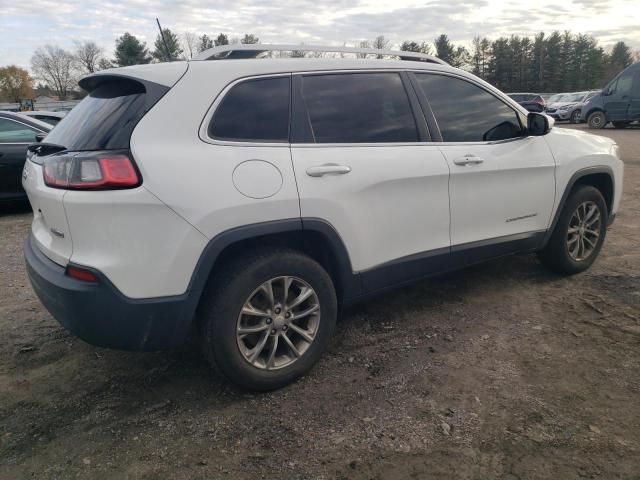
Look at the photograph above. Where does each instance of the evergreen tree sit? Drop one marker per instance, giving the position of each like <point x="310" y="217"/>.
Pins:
<point x="204" y="43"/>
<point x="167" y="48"/>
<point x="221" y="40"/>
<point x="444" y="49"/>
<point x="130" y="51"/>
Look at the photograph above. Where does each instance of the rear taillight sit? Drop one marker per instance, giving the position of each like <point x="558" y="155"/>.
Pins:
<point x="90" y="171"/>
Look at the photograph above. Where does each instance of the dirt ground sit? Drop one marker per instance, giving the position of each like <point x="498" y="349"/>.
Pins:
<point x="501" y="371"/>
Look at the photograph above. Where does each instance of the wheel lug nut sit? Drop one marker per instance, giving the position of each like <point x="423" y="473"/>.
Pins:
<point x="287" y="315"/>
<point x="269" y="321"/>
<point x="273" y="332"/>
<point x="284" y="327"/>
<point x="277" y="310"/>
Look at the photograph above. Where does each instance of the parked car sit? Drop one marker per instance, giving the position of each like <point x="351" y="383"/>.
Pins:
<point x="17" y="132"/>
<point x="556" y="97"/>
<point x="569" y="106"/>
<point x="250" y="200"/>
<point x="618" y="102"/>
<point x="52" y="118"/>
<point x="531" y="101"/>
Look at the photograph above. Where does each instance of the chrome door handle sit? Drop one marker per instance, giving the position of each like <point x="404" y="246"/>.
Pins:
<point x="468" y="160"/>
<point x="328" y="169"/>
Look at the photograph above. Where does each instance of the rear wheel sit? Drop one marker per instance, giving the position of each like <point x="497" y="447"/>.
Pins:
<point x="579" y="233"/>
<point x="597" y="120"/>
<point x="620" y="124"/>
<point x="575" y="116"/>
<point x="268" y="318"/>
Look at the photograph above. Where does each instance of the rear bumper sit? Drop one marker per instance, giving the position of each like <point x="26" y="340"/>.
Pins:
<point x="100" y="315"/>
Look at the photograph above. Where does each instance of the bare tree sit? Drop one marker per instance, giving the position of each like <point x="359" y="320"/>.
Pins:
<point x="87" y="55"/>
<point x="363" y="44"/>
<point x="54" y="66"/>
<point x="190" y="44"/>
<point x="380" y="43"/>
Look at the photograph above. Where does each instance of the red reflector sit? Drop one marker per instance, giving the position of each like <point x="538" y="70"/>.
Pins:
<point x="81" y="274"/>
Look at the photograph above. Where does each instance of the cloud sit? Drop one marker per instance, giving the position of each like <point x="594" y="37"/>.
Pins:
<point x="24" y="26"/>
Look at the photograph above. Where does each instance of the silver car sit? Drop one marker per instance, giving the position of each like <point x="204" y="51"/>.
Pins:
<point x="568" y="106"/>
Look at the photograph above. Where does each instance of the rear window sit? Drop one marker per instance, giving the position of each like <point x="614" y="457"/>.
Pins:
<point x="254" y="110"/>
<point x="359" y="108"/>
<point x="104" y="120"/>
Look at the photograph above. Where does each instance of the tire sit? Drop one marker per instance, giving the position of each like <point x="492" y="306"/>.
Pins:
<point x="620" y="124"/>
<point x="575" y="116"/>
<point x="559" y="254"/>
<point x="244" y="279"/>
<point x="597" y="120"/>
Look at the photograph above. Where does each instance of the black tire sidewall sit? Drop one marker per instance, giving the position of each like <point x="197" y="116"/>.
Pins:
<point x="558" y="243"/>
<point x="593" y="115"/>
<point x="224" y="311"/>
<point x="575" y="117"/>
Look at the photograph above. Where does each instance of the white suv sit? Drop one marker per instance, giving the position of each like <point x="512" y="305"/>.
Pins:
<point x="252" y="198"/>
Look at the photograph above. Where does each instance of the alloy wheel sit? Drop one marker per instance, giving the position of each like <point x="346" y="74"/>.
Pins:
<point x="278" y="323"/>
<point x="584" y="231"/>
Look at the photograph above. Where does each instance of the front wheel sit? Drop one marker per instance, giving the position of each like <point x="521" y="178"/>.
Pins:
<point x="597" y="120"/>
<point x="268" y="318"/>
<point x="575" y="116"/>
<point x="579" y="233"/>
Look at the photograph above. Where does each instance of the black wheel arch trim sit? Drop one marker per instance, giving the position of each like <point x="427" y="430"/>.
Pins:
<point x="569" y="187"/>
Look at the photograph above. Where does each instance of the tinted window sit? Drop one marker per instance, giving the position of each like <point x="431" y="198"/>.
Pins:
<point x="14" y="132"/>
<point x="359" y="108"/>
<point x="254" y="110"/>
<point x="623" y="84"/>
<point x="104" y="120"/>
<point x="466" y="112"/>
<point x="50" y="120"/>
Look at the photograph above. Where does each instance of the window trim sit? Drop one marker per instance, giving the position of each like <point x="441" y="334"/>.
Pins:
<point x="208" y="118"/>
<point x="433" y="122"/>
<point x="301" y="136"/>
<point x="21" y="123"/>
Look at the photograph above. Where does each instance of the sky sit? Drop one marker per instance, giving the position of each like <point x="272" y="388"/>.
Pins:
<point x="28" y="24"/>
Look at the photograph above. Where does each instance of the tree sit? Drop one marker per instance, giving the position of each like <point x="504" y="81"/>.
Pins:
<point x="104" y="63"/>
<point x="167" y="46"/>
<point x="411" y="46"/>
<point x="249" y="39"/>
<point x="380" y="43"/>
<point x="190" y="43"/>
<point x="444" y="48"/>
<point x="54" y="66"/>
<point x="15" y="83"/>
<point x="131" y="51"/>
<point x="481" y="57"/>
<point x="204" y="43"/>
<point x="222" y="39"/>
<point x="619" y="59"/>
<point x="88" y="55"/>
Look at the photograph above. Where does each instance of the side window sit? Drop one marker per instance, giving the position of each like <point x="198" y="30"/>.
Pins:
<point x="358" y="108"/>
<point x="254" y="110"/>
<point x="622" y="85"/>
<point x="466" y="112"/>
<point x="15" y="132"/>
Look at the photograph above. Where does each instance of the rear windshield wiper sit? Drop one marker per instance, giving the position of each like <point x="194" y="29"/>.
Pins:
<point x="37" y="150"/>
<point x="45" y="148"/>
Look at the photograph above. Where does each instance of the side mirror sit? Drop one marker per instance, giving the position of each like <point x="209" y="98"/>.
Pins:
<point x="40" y="136"/>
<point x="537" y="124"/>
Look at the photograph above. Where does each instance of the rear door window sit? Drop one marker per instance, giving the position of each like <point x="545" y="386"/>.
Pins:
<point x="16" y="132"/>
<point x="254" y="110"/>
<point x="105" y="119"/>
<point x="358" y="108"/>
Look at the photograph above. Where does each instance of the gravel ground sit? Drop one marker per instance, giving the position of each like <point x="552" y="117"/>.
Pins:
<point x="500" y="371"/>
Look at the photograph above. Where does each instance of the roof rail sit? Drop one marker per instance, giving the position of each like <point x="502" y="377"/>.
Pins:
<point x="239" y="50"/>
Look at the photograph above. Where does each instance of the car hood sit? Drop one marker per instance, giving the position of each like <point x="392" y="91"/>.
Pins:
<point x="578" y="141"/>
<point x="562" y="104"/>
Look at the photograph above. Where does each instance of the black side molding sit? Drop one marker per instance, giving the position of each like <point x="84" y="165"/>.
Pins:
<point x="570" y="184"/>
